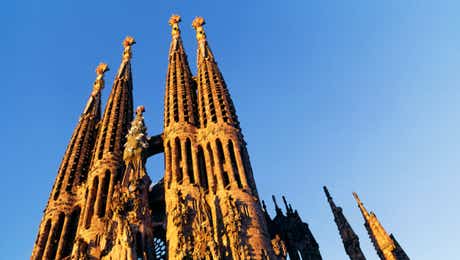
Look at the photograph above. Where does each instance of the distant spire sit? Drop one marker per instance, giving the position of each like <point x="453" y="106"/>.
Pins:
<point x="349" y="238"/>
<point x="278" y="210"/>
<point x="288" y="211"/>
<point x="383" y="243"/>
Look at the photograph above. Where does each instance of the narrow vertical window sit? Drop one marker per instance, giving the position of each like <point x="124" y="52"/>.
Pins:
<point x="234" y="164"/>
<point x="70" y="232"/>
<point x="103" y="196"/>
<point x="54" y="242"/>
<point x="188" y="150"/>
<point x="91" y="200"/>
<point x="202" y="168"/>
<point x="178" y="155"/>
<point x="220" y="152"/>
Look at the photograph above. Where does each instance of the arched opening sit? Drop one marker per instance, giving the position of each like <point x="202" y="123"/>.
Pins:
<point x="55" y="236"/>
<point x="91" y="200"/>
<point x="103" y="196"/>
<point x="188" y="150"/>
<point x="42" y="240"/>
<point x="70" y="232"/>
<point x="168" y="162"/>
<point x="231" y="151"/>
<point x="178" y="157"/>
<point x="202" y="168"/>
<point x="220" y="152"/>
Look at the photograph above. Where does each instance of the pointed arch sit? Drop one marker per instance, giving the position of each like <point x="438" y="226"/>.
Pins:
<point x="231" y="151"/>
<point x="189" y="160"/>
<point x="202" y="169"/>
<point x="178" y="160"/>
<point x="103" y="194"/>
<point x="53" y="241"/>
<point x="70" y="231"/>
<point x="91" y="200"/>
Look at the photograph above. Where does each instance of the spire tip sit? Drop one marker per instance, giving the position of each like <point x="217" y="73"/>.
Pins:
<point x="140" y="110"/>
<point x="102" y="68"/>
<point x="198" y="23"/>
<point x="128" y="41"/>
<point x="174" y="22"/>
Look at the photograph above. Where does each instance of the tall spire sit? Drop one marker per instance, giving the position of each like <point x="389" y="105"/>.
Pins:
<point x="349" y="238"/>
<point x="180" y="97"/>
<point x="386" y="247"/>
<point x="214" y="102"/>
<point x="107" y="166"/>
<point x="63" y="209"/>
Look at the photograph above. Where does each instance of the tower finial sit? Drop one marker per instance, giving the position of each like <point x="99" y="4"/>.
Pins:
<point x="198" y="23"/>
<point x="174" y="22"/>
<point x="127" y="43"/>
<point x="140" y="111"/>
<point x="99" y="83"/>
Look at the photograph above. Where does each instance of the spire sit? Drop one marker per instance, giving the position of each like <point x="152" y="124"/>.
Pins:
<point x="118" y="111"/>
<point x="383" y="243"/>
<point x="72" y="173"/>
<point x="180" y="88"/>
<point x="214" y="102"/>
<point x="288" y="208"/>
<point x="77" y="157"/>
<point x="349" y="238"/>
<point x="278" y="210"/>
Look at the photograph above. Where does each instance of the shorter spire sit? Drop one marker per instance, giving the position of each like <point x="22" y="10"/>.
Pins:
<point x="286" y="205"/>
<point x="174" y="22"/>
<point x="97" y="86"/>
<point x="278" y="210"/>
<point x="101" y="69"/>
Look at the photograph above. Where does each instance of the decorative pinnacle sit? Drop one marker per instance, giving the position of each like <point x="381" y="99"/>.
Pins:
<point x="101" y="69"/>
<point x="99" y="83"/>
<point x="174" y="22"/>
<point x="140" y="110"/>
<point x="127" y="43"/>
<point x="198" y="23"/>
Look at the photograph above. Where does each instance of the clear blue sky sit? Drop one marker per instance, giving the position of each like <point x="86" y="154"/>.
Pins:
<point x="356" y="95"/>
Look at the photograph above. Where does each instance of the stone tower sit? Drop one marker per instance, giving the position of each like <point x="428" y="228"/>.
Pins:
<point x="62" y="213"/>
<point x="386" y="245"/>
<point x="107" y="164"/>
<point x="349" y="237"/>
<point x="208" y="176"/>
